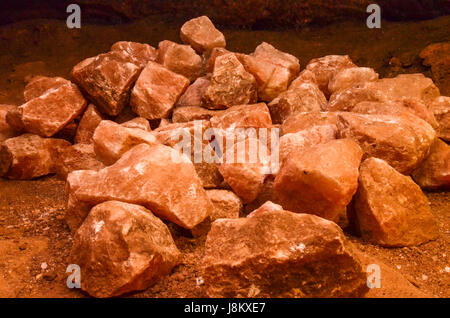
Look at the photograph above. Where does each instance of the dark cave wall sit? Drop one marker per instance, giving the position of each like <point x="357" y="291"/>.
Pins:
<point x="247" y="13"/>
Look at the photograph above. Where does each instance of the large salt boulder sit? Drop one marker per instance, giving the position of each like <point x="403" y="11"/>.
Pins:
<point x="156" y="177"/>
<point x="351" y="76"/>
<point x="122" y="248"/>
<point x="41" y="84"/>
<point x="320" y="180"/>
<point x="201" y="34"/>
<point x="280" y="254"/>
<point x="404" y="142"/>
<point x="389" y="209"/>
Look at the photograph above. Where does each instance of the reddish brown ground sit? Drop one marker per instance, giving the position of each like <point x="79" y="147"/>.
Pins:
<point x="32" y="228"/>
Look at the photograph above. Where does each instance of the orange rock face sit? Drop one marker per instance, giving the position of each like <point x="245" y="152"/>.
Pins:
<point x="389" y="208"/>
<point x="41" y="84"/>
<point x="122" y="248"/>
<point x="326" y="67"/>
<point x="137" y="53"/>
<point x="404" y="142"/>
<point x="89" y="121"/>
<point x="157" y="177"/>
<point x="347" y="99"/>
<point x="434" y="172"/>
<point x="201" y="34"/>
<point x="194" y="93"/>
<point x="6" y="131"/>
<point x="77" y="157"/>
<point x="243" y="116"/>
<point x="107" y="80"/>
<point x="303" y="98"/>
<point x="138" y="123"/>
<point x="49" y="113"/>
<point x="29" y="156"/>
<point x="441" y="109"/>
<point x="351" y="76"/>
<point x="320" y="180"/>
<point x="112" y="140"/>
<point x="180" y="59"/>
<point x="273" y="254"/>
<point x="227" y="205"/>
<point x="156" y="91"/>
<point x="303" y="121"/>
<point x="230" y="84"/>
<point x="191" y="113"/>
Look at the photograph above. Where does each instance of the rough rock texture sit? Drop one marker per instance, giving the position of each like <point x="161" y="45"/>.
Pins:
<point x="6" y="131"/>
<point x="437" y="56"/>
<point x="77" y="157"/>
<point x="156" y="91"/>
<point x="243" y="116"/>
<point x="157" y="177"/>
<point x="180" y="59"/>
<point x="122" y="248"/>
<point x="89" y="121"/>
<point x="441" y="109"/>
<point x="434" y="172"/>
<point x="303" y="98"/>
<point x="244" y="169"/>
<point x="349" y="77"/>
<point x="280" y="254"/>
<point x="49" y="113"/>
<point x="326" y="67"/>
<point x="226" y="204"/>
<point x="29" y="156"/>
<point x="194" y="93"/>
<point x="138" y="123"/>
<point x="191" y="113"/>
<point x="201" y="34"/>
<point x="303" y="121"/>
<point x="107" y="80"/>
<point x="305" y="76"/>
<point x="404" y="142"/>
<point x="138" y="53"/>
<point x="347" y="99"/>
<point x="230" y="84"/>
<point x="210" y="57"/>
<point x="112" y="140"/>
<point x="320" y="180"/>
<point x="296" y="142"/>
<point x="14" y="119"/>
<point x="41" y="84"/>
<point x="268" y="206"/>
<point x="389" y="208"/>
<point x="273" y="70"/>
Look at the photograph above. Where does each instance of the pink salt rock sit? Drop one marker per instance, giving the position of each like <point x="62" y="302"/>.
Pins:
<point x="180" y="59"/>
<point x="244" y="169"/>
<point x="138" y="123"/>
<point x="264" y="256"/>
<point x="89" y="121"/>
<point x="201" y="34"/>
<point x="305" y="76"/>
<point x="49" y="113"/>
<point x="404" y="142"/>
<point x="320" y="180"/>
<point x="268" y="206"/>
<point x="107" y="80"/>
<point x="390" y="209"/>
<point x="77" y="157"/>
<point x="230" y="84"/>
<point x="156" y="177"/>
<point x="267" y="52"/>
<point x="210" y="57"/>
<point x="41" y="84"/>
<point x="29" y="156"/>
<point x="304" y="98"/>
<point x="347" y="99"/>
<point x="441" y="109"/>
<point x="350" y="77"/>
<point x="112" y="140"/>
<point x="298" y="141"/>
<point x="138" y="53"/>
<point x="156" y="91"/>
<point x="194" y="93"/>
<point x="122" y="248"/>
<point x="303" y="121"/>
<point x="187" y="114"/>
<point x="243" y="116"/>
<point x="227" y="205"/>
<point x="434" y="172"/>
<point x="14" y="119"/>
<point x="326" y="67"/>
<point x="6" y="131"/>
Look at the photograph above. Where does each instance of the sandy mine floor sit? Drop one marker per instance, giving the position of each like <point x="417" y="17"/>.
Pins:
<point x="32" y="228"/>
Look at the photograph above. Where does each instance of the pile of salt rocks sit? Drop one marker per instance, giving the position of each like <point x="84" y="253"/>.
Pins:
<point x="349" y="143"/>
